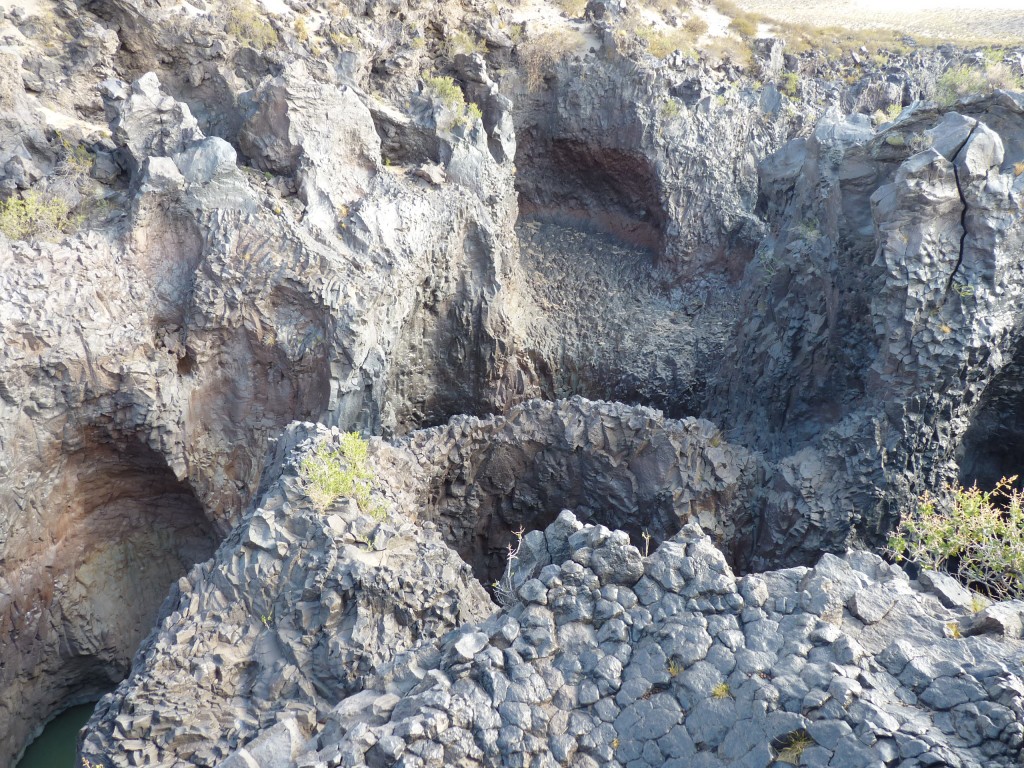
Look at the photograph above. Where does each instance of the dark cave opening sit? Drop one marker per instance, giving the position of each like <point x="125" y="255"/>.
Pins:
<point x="993" y="446"/>
<point x="121" y="529"/>
<point x="592" y="188"/>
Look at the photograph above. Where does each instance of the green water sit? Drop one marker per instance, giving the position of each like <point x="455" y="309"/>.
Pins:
<point x="57" y="745"/>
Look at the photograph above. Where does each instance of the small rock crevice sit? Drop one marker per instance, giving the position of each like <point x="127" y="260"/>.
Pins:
<point x="964" y="212"/>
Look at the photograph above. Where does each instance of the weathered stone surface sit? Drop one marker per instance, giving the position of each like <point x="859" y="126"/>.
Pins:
<point x="581" y="669"/>
<point x="303" y="229"/>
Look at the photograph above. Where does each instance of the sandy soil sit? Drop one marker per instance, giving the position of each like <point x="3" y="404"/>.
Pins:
<point x="953" y="20"/>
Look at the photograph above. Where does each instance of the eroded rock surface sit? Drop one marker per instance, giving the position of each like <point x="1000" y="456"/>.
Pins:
<point x="371" y="644"/>
<point x="285" y="215"/>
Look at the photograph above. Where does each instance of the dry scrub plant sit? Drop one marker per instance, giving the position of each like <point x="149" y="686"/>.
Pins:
<point x="539" y="54"/>
<point x="977" y="539"/>
<point x="247" y="24"/>
<point x="47" y="213"/>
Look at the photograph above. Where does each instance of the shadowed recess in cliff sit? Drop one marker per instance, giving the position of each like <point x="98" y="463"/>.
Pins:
<point x="993" y="446"/>
<point x="445" y="360"/>
<point x="611" y="464"/>
<point x="119" y="530"/>
<point x="602" y="325"/>
<point x="597" y="189"/>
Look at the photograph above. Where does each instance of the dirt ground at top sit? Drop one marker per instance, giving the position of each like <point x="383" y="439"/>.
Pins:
<point x="958" y="21"/>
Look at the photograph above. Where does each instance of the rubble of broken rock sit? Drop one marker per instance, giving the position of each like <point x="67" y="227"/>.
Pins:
<point x="319" y="640"/>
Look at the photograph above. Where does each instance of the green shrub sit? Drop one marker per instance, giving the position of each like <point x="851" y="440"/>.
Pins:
<point x="463" y="42"/>
<point x="247" y="24"/>
<point x="329" y="473"/>
<point x="961" y="81"/>
<point x="977" y="539"/>
<point x="445" y="90"/>
<point x="789" y="84"/>
<point x="35" y="215"/>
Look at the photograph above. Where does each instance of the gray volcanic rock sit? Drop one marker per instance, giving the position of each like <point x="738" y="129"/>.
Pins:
<point x="214" y="317"/>
<point x="285" y="215"/>
<point x="602" y="656"/>
<point x="309" y="605"/>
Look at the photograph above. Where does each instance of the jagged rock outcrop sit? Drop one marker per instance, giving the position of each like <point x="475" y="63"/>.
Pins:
<point x="885" y="308"/>
<point x="364" y="643"/>
<point x="162" y="351"/>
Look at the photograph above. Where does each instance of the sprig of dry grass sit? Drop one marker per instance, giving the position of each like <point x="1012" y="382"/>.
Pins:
<point x="539" y="54"/>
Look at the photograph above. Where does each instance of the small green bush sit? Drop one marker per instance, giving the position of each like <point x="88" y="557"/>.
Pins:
<point x="329" y="473"/>
<point x="789" y="84"/>
<point x="977" y="539"/>
<point x="35" y="215"/>
<point x="446" y="91"/>
<point x="463" y="42"/>
<point x="961" y="81"/>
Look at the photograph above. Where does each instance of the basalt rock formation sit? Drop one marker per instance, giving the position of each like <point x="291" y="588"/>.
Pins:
<point x="286" y="213"/>
<point x="335" y="640"/>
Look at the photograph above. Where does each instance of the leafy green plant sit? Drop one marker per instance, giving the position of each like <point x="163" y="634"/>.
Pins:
<point x="721" y="691"/>
<point x="36" y="215"/>
<point x="964" y="80"/>
<point x="329" y="473"/>
<point x="973" y="536"/>
<point x="809" y="230"/>
<point x="445" y="90"/>
<point x="789" y="84"/>
<point x="670" y="109"/>
<point x="463" y="42"/>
